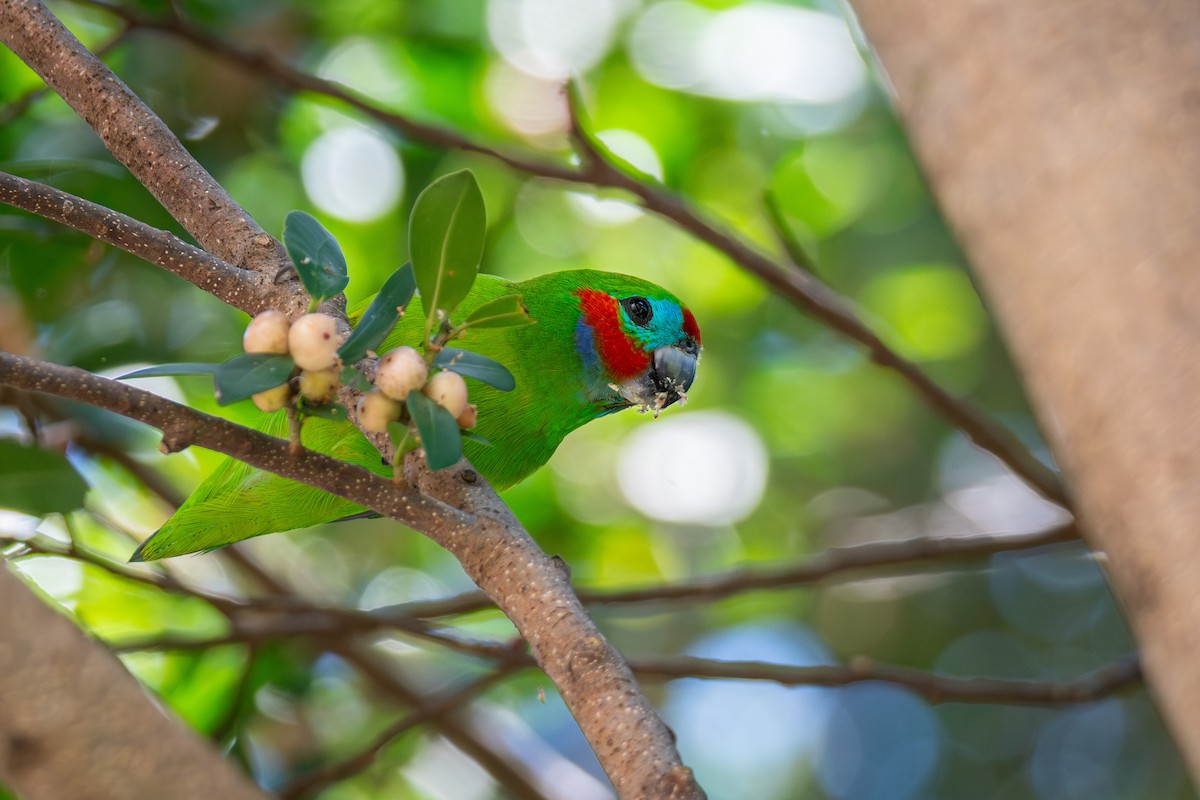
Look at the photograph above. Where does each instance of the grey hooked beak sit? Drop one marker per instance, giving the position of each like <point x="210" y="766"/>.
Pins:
<point x="671" y="373"/>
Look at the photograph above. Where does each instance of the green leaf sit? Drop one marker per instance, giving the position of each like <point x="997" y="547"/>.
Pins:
<point x="381" y="315"/>
<point x="475" y="437"/>
<point x="36" y="481"/>
<point x="446" y="233"/>
<point x="354" y="379"/>
<point x="250" y="373"/>
<point x="473" y="365"/>
<point x="402" y="439"/>
<point x="181" y="368"/>
<point x="438" y="430"/>
<point x="333" y="411"/>
<point x="503" y="312"/>
<point x="316" y="255"/>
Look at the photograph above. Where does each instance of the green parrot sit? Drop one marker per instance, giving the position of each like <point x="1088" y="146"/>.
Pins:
<point x="600" y="342"/>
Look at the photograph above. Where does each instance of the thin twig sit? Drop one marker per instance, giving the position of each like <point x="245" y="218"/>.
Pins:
<point x="425" y="712"/>
<point x="786" y="236"/>
<point x="830" y="563"/>
<point x="1123" y="674"/>
<point x="1115" y="677"/>
<point x="225" y="727"/>
<point x="41" y="546"/>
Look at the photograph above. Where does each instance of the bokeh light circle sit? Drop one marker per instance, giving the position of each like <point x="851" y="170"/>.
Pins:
<point x="353" y="173"/>
<point x="707" y="468"/>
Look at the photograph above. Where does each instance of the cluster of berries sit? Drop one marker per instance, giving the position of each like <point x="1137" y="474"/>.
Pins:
<point x="312" y="342"/>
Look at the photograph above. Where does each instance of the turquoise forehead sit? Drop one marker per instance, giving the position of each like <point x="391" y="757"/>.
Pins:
<point x="666" y="325"/>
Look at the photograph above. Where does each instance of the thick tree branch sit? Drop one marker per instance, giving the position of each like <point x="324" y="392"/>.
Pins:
<point x="1072" y="177"/>
<point x="252" y="292"/>
<point x="66" y="702"/>
<point x="139" y="140"/>
<point x="799" y="287"/>
<point x="631" y="742"/>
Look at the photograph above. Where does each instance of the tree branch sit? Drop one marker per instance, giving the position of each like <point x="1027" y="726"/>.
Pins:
<point x="1060" y="140"/>
<point x="250" y="291"/>
<point x="333" y="627"/>
<point x="65" y="701"/>
<point x="635" y="748"/>
<point x="15" y="109"/>
<point x="799" y="287"/>
<point x="1116" y="677"/>
<point x="312" y="783"/>
<point x="828" y="564"/>
<point x="138" y="139"/>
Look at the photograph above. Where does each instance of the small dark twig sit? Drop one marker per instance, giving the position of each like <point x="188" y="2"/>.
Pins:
<point x="786" y="236"/>
<point x="935" y="688"/>
<point x="425" y="712"/>
<point x="831" y="563"/>
<point x="226" y="726"/>
<point x="1116" y="677"/>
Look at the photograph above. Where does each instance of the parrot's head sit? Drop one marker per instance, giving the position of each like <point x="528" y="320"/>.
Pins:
<point x="638" y="343"/>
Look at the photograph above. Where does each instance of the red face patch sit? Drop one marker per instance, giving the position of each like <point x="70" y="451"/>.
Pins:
<point x="619" y="354"/>
<point x="690" y="327"/>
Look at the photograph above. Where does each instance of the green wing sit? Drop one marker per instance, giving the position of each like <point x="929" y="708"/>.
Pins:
<point x="238" y="502"/>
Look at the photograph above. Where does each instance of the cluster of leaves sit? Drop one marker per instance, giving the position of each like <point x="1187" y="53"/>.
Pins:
<point x="447" y="228"/>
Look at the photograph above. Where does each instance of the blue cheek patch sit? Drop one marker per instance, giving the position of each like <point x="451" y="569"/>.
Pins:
<point x="585" y="343"/>
<point x="666" y="325"/>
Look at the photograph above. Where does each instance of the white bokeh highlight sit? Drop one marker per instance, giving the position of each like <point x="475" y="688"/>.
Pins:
<point x="706" y="468"/>
<point x="362" y="64"/>
<point x="553" y="39"/>
<point x="353" y="173"/>
<point x="756" y="52"/>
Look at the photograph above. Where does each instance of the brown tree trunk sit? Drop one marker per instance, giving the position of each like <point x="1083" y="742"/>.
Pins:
<point x="1062" y="139"/>
<point x="74" y="723"/>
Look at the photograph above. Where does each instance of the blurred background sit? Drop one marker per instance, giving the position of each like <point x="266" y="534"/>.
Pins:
<point x="791" y="442"/>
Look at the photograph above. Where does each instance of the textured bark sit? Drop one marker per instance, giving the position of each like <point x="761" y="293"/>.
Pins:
<point x="240" y="288"/>
<point x="630" y="740"/>
<point x="74" y="723"/>
<point x="1063" y="141"/>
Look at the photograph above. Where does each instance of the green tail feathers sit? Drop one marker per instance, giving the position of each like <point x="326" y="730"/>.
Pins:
<point x="238" y="501"/>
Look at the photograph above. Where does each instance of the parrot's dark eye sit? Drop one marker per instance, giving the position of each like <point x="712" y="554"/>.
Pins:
<point x="638" y="309"/>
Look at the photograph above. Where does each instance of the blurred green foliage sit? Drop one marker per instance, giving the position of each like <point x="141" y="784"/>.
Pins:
<point x="849" y="454"/>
